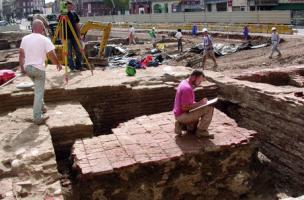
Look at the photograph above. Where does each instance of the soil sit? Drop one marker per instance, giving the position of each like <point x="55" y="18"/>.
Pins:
<point x="292" y="48"/>
<point x="252" y="59"/>
<point x="266" y="186"/>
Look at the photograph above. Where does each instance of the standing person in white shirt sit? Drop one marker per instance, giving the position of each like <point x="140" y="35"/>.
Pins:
<point x="275" y="40"/>
<point x="131" y="35"/>
<point x="179" y="37"/>
<point x="34" y="49"/>
<point x="208" y="49"/>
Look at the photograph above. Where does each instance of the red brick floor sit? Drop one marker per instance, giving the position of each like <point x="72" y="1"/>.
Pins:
<point x="152" y="139"/>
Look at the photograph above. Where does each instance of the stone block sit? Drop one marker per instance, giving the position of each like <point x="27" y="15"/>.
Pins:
<point x="68" y="121"/>
<point x="143" y="157"/>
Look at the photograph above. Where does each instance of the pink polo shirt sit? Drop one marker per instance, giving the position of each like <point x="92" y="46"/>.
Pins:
<point x="184" y="96"/>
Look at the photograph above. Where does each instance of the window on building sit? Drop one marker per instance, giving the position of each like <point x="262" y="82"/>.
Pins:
<point x="157" y="8"/>
<point x="209" y="7"/>
<point x="221" y="7"/>
<point x="236" y="8"/>
<point x="24" y="4"/>
<point x="24" y="10"/>
<point x="166" y="8"/>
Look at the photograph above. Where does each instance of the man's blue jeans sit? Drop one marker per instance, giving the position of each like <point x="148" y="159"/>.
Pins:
<point x="72" y="44"/>
<point x="38" y="77"/>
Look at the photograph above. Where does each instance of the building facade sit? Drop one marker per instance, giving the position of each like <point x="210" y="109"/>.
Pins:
<point x="25" y="7"/>
<point x="165" y="6"/>
<point x="140" y="6"/>
<point x="191" y="5"/>
<point x="1" y="10"/>
<point x="8" y="8"/>
<point x="95" y="8"/>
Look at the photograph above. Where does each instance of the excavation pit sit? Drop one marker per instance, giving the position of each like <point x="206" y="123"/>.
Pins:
<point x="89" y="107"/>
<point x="279" y="77"/>
<point x="115" y="117"/>
<point x="144" y="159"/>
<point x="259" y="101"/>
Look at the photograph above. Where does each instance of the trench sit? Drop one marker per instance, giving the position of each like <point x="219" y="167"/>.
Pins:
<point x="278" y="151"/>
<point x="106" y="113"/>
<point x="109" y="106"/>
<point x="117" y="113"/>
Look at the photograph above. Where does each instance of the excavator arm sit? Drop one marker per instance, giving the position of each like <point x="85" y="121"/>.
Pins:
<point x="106" y="28"/>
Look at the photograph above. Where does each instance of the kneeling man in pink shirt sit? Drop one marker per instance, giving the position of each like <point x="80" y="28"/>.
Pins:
<point x="196" y="121"/>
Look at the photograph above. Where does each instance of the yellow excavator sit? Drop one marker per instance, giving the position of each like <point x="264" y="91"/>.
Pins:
<point x="105" y="28"/>
<point x="90" y="25"/>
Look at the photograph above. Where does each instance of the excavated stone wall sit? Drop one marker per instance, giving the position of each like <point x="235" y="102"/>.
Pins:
<point x="275" y="112"/>
<point x="144" y="159"/>
<point x="201" y="176"/>
<point x="107" y="104"/>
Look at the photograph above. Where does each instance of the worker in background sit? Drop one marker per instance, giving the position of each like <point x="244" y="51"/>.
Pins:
<point x="208" y="49"/>
<point x="32" y="55"/>
<point x="72" y="44"/>
<point x="179" y="37"/>
<point x="131" y="35"/>
<point x="196" y="121"/>
<point x="194" y="30"/>
<point x="275" y="40"/>
<point x="246" y="33"/>
<point x="153" y="37"/>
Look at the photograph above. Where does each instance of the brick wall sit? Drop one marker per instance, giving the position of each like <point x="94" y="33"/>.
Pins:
<point x="107" y="106"/>
<point x="278" y="117"/>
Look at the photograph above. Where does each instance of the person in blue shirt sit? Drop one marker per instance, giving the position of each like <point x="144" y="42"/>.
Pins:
<point x="246" y="32"/>
<point x="194" y="30"/>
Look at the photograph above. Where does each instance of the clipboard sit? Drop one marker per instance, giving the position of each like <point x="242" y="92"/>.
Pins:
<point x="210" y="102"/>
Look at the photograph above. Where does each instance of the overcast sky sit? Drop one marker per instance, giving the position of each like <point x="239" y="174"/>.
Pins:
<point x="47" y="1"/>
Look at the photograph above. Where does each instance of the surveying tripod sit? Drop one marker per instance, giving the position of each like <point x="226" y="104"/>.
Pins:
<point x="61" y="33"/>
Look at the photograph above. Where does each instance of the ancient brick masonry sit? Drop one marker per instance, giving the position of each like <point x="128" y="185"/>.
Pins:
<point x="275" y="112"/>
<point x="144" y="159"/>
<point x="68" y="121"/>
<point x="114" y="98"/>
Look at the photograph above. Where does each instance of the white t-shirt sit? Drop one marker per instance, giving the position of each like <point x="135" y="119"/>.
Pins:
<point x="132" y="31"/>
<point x="35" y="47"/>
<point x="178" y="35"/>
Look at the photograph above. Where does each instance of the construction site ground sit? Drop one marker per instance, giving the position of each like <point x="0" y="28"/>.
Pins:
<point x="239" y="62"/>
<point x="236" y="62"/>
